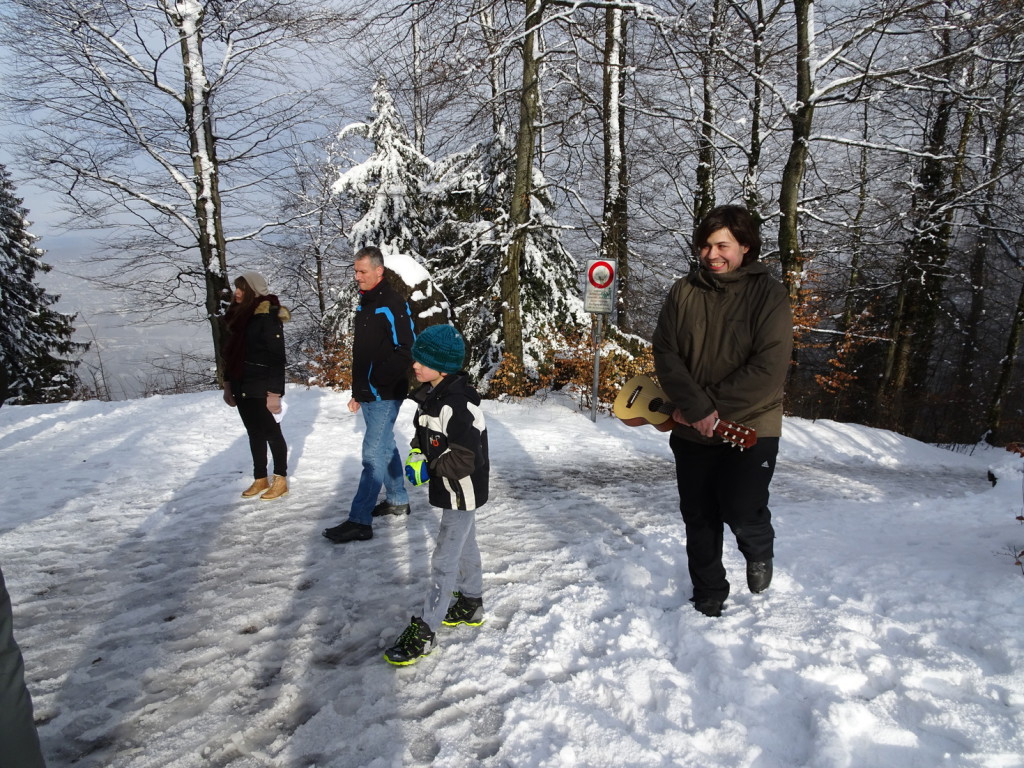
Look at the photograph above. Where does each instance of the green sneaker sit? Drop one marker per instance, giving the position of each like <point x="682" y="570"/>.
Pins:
<point x="465" y="610"/>
<point x="413" y="644"/>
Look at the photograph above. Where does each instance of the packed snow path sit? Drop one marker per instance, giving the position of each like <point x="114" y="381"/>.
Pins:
<point x="167" y="622"/>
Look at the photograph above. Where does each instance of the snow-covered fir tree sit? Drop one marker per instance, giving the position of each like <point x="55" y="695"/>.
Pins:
<point x="386" y="189"/>
<point x="36" y="339"/>
<point x="470" y="197"/>
<point x="386" y="192"/>
<point x="469" y="200"/>
<point x="452" y="217"/>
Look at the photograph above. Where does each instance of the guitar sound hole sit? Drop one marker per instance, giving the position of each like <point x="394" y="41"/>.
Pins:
<point x="656" y="404"/>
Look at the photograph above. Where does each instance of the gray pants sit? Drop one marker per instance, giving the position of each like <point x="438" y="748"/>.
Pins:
<point x="19" y="744"/>
<point x="455" y="564"/>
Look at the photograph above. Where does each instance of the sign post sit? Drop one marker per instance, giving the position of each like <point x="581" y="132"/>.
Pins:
<point x="599" y="299"/>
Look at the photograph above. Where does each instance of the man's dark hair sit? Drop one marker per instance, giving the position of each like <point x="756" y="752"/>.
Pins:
<point x="372" y="253"/>
<point x="736" y="219"/>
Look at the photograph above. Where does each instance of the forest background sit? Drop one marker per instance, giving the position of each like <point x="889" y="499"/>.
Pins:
<point x="499" y="145"/>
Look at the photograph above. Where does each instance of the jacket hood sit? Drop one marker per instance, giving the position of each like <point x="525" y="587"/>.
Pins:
<point x="452" y="382"/>
<point x="263" y="308"/>
<point x="702" y="278"/>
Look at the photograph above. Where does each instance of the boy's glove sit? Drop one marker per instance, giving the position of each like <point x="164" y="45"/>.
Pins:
<point x="416" y="467"/>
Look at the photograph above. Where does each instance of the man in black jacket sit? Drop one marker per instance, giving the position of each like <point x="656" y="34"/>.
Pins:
<point x="382" y="340"/>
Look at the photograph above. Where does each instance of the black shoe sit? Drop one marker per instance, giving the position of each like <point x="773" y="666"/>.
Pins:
<point x="414" y="643"/>
<point x="349" y="531"/>
<point x="759" y="575"/>
<point x="465" y="610"/>
<point x="387" y="508"/>
<point x="709" y="606"/>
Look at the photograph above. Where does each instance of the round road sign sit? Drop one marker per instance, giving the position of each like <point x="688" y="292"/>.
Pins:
<point x="601" y="274"/>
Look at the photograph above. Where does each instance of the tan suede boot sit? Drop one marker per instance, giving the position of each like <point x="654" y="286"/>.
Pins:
<point x="277" y="489"/>
<point x="258" y="486"/>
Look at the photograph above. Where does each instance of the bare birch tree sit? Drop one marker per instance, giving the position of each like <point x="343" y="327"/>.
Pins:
<point x="615" y="224"/>
<point x="162" y="121"/>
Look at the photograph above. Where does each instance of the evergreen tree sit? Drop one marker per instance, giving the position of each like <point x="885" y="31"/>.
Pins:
<point x="386" y="189"/>
<point x="469" y="196"/>
<point x="453" y="217"/>
<point x="36" y="338"/>
<point x="386" y="193"/>
<point x="470" y="199"/>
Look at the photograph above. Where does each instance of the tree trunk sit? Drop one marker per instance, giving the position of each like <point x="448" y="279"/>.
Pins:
<point x="419" y="129"/>
<point x="704" y="194"/>
<point x="519" y="210"/>
<point x="203" y="150"/>
<point x="1006" y="366"/>
<point x="614" y="229"/>
<point x="493" y="69"/>
<point x="751" y="192"/>
<point x="938" y="273"/>
<point x="801" y="117"/>
<point x="923" y="275"/>
<point x="1003" y="126"/>
<point x="851" y="306"/>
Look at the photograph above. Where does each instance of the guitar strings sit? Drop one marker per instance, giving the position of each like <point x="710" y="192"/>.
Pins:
<point x="648" y="400"/>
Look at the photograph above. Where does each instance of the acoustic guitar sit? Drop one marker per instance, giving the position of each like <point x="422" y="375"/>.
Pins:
<point x="642" y="401"/>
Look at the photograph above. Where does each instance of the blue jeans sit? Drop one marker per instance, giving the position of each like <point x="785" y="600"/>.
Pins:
<point x="382" y="465"/>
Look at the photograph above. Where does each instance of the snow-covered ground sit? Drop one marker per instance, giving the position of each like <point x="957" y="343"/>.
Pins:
<point x="167" y="622"/>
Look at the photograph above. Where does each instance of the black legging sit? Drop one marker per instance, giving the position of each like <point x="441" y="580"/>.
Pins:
<point x="263" y="430"/>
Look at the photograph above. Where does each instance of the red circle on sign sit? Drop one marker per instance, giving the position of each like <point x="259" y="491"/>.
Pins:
<point x="602" y="281"/>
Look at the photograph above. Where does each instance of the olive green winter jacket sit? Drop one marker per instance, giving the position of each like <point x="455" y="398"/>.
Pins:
<point x="724" y="343"/>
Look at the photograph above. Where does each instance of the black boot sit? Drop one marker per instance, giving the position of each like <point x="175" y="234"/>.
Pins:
<point x="348" y="531"/>
<point x="387" y="508"/>
<point x="759" y="575"/>
<point x="709" y="606"/>
<point x="414" y="643"/>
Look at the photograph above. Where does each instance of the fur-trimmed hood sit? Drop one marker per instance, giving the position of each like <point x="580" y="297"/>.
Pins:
<point x="263" y="308"/>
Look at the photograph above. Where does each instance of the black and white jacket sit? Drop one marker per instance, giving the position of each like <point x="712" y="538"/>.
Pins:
<point x="451" y="432"/>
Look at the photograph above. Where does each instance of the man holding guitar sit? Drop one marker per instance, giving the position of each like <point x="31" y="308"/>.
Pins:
<point x="722" y="348"/>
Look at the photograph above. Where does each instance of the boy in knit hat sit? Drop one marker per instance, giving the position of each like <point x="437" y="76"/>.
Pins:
<point x="449" y="450"/>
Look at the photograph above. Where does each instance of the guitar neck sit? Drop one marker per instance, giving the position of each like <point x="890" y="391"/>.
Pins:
<point x="641" y="397"/>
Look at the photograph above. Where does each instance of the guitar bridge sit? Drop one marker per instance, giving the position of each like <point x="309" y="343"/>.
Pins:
<point x="633" y="397"/>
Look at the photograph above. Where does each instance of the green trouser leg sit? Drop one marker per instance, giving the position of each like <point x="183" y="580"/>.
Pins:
<point x="17" y="730"/>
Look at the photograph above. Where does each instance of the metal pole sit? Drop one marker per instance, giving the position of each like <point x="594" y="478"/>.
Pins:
<point x="597" y="369"/>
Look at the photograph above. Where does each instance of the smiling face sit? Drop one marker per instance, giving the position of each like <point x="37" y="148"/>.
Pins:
<point x="722" y="252"/>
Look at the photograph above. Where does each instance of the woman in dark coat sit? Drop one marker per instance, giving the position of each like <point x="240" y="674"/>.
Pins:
<point x="254" y="378"/>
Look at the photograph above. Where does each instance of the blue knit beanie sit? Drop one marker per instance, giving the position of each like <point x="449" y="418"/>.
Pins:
<point x="441" y="348"/>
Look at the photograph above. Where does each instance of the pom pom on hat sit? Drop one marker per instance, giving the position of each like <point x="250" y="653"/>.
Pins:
<point x="441" y="348"/>
<point x="257" y="282"/>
